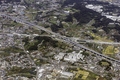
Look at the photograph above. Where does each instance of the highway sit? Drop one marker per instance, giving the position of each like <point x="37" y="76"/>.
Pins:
<point x="65" y="39"/>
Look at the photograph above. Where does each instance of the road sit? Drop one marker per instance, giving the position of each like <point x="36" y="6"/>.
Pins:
<point x="18" y="34"/>
<point x="99" y="42"/>
<point x="65" y="39"/>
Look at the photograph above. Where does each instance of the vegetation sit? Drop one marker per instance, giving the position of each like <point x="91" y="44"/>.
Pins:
<point x="6" y="52"/>
<point x="27" y="72"/>
<point x="29" y="1"/>
<point x="101" y="78"/>
<point x="12" y="24"/>
<point x="97" y="37"/>
<point x="39" y="62"/>
<point x="31" y="16"/>
<point x="72" y="30"/>
<point x="43" y="43"/>
<point x="110" y="50"/>
<point x="106" y="64"/>
<point x="83" y="74"/>
<point x="85" y="53"/>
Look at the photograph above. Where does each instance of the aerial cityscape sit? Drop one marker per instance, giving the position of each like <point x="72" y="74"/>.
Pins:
<point x="59" y="39"/>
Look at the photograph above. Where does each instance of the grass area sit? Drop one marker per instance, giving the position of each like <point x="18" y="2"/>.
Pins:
<point x="110" y="50"/>
<point x="81" y="74"/>
<point x="106" y="64"/>
<point x="97" y="37"/>
<point x="107" y="49"/>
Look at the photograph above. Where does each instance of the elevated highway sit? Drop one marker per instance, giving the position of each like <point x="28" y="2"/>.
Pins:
<point x="65" y="39"/>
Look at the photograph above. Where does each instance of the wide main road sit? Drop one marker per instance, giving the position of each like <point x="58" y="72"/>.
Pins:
<point x="98" y="42"/>
<point x="65" y="39"/>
